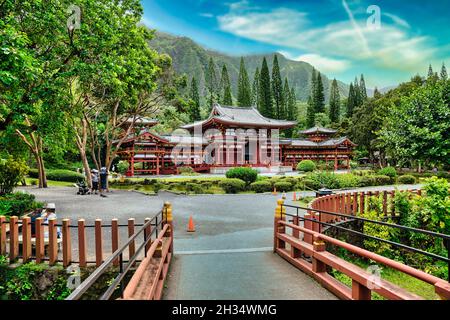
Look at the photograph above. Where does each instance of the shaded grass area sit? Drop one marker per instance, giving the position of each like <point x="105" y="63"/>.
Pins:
<point x="34" y="182"/>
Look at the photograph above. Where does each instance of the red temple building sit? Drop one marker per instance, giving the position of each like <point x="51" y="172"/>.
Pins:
<point x="230" y="137"/>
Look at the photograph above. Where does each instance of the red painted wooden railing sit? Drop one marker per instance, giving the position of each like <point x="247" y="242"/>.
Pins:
<point x="308" y="242"/>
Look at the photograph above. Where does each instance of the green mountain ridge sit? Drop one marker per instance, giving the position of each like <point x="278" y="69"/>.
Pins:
<point x="192" y="59"/>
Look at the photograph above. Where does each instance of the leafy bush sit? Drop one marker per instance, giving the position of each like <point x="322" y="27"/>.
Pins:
<point x="59" y="175"/>
<point x="122" y="167"/>
<point x="376" y="230"/>
<point x="283" y="186"/>
<point x="383" y="180"/>
<point x="306" y="166"/>
<point x="12" y="171"/>
<point x="348" y="180"/>
<point x="388" y="171"/>
<point x="325" y="179"/>
<point x="187" y="171"/>
<point x="248" y="175"/>
<point x="195" y="188"/>
<point x="311" y="184"/>
<point x="33" y="282"/>
<point x="17" y="204"/>
<point x="232" y="185"/>
<point x="367" y="181"/>
<point x="157" y="187"/>
<point x="261" y="186"/>
<point x="406" y="179"/>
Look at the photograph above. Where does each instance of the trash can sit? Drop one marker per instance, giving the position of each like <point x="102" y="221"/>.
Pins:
<point x="323" y="192"/>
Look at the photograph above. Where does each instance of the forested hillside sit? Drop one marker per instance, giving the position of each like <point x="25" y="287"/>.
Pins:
<point x="192" y="59"/>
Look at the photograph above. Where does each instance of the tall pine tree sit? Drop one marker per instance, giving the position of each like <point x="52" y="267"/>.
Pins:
<point x="444" y="75"/>
<point x="430" y="72"/>
<point x="362" y="88"/>
<point x="319" y="96"/>
<point x="277" y="89"/>
<point x="265" y="92"/>
<point x="286" y="97"/>
<point x="311" y="109"/>
<point x="255" y="88"/>
<point x="351" y="101"/>
<point x="335" y="102"/>
<point x="244" y="97"/>
<point x="195" y="101"/>
<point x="226" y="97"/>
<point x="211" y="83"/>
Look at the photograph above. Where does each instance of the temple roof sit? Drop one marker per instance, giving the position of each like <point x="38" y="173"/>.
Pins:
<point x="318" y="130"/>
<point x="308" y="143"/>
<point x="238" y="116"/>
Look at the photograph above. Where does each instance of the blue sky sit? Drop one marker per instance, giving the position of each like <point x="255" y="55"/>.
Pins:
<point x="333" y="35"/>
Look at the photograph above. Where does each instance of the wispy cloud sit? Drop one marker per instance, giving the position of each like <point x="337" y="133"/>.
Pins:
<point x="334" y="44"/>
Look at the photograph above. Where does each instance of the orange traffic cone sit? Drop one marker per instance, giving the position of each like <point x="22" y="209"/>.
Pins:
<point x="294" y="197"/>
<point x="274" y="191"/>
<point x="191" y="226"/>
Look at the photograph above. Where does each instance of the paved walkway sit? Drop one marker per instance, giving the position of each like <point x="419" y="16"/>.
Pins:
<point x="228" y="257"/>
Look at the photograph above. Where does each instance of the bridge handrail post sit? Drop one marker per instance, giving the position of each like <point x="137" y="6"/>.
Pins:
<point x="280" y="212"/>
<point x="169" y="221"/>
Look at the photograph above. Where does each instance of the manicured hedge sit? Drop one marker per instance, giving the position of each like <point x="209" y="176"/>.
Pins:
<point x="248" y="175"/>
<point x="383" y="180"/>
<point x="232" y="185"/>
<point x="306" y="166"/>
<point x="59" y="175"/>
<point x="406" y="179"/>
<point x="388" y="171"/>
<point x="261" y="186"/>
<point x="283" y="186"/>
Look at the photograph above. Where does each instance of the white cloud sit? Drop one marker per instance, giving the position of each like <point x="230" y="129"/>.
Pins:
<point x="391" y="46"/>
<point x="324" y="64"/>
<point x="397" y="20"/>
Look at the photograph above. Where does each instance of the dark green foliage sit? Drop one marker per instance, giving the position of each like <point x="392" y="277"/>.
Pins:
<point x="232" y="185"/>
<point x="265" y="92"/>
<point x="261" y="186"/>
<point x="248" y="175"/>
<point x="388" y="171"/>
<point x="194" y="112"/>
<point x="406" y="179"/>
<point x="17" y="204"/>
<point x="310" y="114"/>
<point x="277" y="90"/>
<point x="255" y="88"/>
<point x="382" y="180"/>
<point x="244" y="96"/>
<point x="319" y="95"/>
<point x="362" y="89"/>
<point x="225" y="88"/>
<point x="283" y="186"/>
<point x="306" y="166"/>
<point x="195" y="188"/>
<point x="351" y="101"/>
<point x="211" y="83"/>
<point x="59" y="175"/>
<point x="33" y="282"/>
<point x="335" y="103"/>
<point x="444" y="74"/>
<point x="12" y="171"/>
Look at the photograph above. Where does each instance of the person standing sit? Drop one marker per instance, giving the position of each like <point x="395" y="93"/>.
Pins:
<point x="103" y="181"/>
<point x="94" y="176"/>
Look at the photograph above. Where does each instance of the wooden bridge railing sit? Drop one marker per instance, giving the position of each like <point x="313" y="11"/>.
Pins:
<point x="350" y="203"/>
<point x="305" y="248"/>
<point x="147" y="282"/>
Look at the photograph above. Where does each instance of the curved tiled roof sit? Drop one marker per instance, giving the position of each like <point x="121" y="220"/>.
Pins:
<point x="318" y="130"/>
<point x="241" y="117"/>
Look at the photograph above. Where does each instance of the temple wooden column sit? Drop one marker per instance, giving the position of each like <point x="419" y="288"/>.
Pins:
<point x="157" y="163"/>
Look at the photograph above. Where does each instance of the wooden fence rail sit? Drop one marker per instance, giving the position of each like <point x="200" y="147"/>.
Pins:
<point x="52" y="242"/>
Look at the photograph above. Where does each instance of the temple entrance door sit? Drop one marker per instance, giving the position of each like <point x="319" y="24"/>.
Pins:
<point x="247" y="152"/>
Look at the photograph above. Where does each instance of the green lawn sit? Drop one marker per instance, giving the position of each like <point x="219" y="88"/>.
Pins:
<point x="50" y="183"/>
